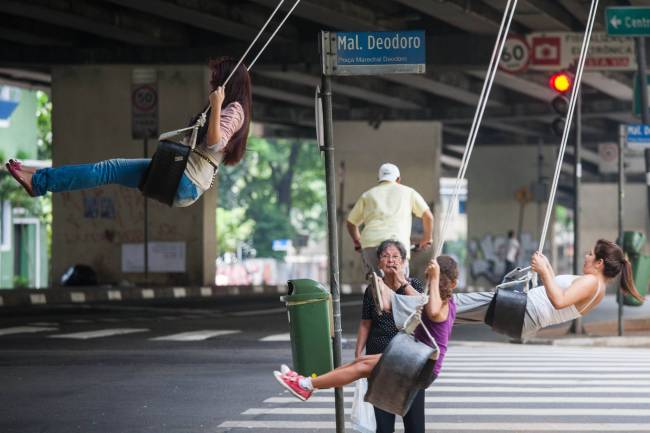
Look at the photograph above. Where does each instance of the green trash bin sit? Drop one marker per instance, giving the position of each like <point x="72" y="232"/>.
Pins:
<point x="310" y="309"/>
<point x="633" y="243"/>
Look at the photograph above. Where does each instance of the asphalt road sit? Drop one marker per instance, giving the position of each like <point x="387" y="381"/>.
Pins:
<point x="206" y="367"/>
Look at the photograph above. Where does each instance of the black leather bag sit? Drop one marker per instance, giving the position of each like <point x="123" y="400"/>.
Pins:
<point x="506" y="312"/>
<point x="163" y="175"/>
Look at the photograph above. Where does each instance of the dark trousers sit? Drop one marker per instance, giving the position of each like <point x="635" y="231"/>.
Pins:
<point x="413" y="420"/>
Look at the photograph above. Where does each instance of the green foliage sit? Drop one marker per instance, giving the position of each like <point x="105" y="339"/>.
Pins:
<point x="278" y="189"/>
<point x="44" y="125"/>
<point x="232" y="228"/>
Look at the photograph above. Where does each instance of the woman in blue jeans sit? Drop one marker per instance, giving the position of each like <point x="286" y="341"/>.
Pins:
<point x="221" y="140"/>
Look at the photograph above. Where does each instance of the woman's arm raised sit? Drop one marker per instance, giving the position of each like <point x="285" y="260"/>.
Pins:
<point x="580" y="290"/>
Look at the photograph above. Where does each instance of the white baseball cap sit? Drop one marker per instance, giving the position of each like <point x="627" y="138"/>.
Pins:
<point x="389" y="172"/>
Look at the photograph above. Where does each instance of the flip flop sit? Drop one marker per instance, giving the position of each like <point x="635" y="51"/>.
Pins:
<point x="14" y="167"/>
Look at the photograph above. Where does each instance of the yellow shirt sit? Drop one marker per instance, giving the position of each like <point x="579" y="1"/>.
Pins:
<point x="385" y="210"/>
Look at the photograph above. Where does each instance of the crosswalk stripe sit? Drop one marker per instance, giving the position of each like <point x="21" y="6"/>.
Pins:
<point x="277" y="337"/>
<point x="555" y="364"/>
<point x="195" y="335"/>
<point x="445" y="411"/>
<point x="286" y="337"/>
<point x="437" y="426"/>
<point x="99" y="333"/>
<point x="488" y="367"/>
<point x="25" y="330"/>
<point x="502" y="381"/>
<point x="44" y="324"/>
<point x="464" y="374"/>
<point x="479" y="399"/>
<point x="524" y="389"/>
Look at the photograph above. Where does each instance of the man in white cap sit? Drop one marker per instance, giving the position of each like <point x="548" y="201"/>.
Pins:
<point x="386" y="213"/>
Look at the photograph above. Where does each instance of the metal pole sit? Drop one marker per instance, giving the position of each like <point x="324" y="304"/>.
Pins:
<point x="642" y="74"/>
<point x="146" y="222"/>
<point x="576" y="327"/>
<point x="341" y="212"/>
<point x="332" y="241"/>
<point x="621" y="194"/>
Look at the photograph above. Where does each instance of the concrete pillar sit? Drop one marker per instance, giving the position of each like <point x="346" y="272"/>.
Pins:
<point x="91" y="121"/>
<point x="414" y="147"/>
<point x="495" y="173"/>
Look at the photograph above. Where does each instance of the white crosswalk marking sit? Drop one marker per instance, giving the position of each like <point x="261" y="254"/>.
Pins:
<point x="497" y="387"/>
<point x="277" y="337"/>
<point x="287" y="337"/>
<point x="25" y="330"/>
<point x="99" y="333"/>
<point x="196" y="335"/>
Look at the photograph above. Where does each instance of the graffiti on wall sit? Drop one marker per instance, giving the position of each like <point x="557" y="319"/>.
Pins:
<point x="487" y="256"/>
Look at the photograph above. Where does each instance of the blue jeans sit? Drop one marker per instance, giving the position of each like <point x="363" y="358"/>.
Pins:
<point x="125" y="172"/>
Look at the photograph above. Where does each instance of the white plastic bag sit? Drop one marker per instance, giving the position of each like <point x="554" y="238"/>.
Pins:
<point x="363" y="414"/>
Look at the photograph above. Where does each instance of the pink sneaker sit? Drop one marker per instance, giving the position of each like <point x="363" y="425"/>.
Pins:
<point x="285" y="370"/>
<point x="292" y="384"/>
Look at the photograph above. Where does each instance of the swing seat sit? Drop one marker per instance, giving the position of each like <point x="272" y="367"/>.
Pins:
<point x="506" y="312"/>
<point x="163" y="174"/>
<point x="405" y="367"/>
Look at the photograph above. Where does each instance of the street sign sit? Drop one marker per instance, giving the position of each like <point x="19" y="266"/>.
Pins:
<point x="551" y="51"/>
<point x="371" y="53"/>
<point x="515" y="56"/>
<point x="628" y="21"/>
<point x="144" y="104"/>
<point x="638" y="136"/>
<point x="281" y="244"/>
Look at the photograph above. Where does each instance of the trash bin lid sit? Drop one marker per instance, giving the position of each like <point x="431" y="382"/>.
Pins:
<point x="305" y="290"/>
<point x="633" y="242"/>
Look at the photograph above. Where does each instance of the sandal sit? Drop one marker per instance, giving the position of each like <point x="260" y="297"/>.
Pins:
<point x="14" y="167"/>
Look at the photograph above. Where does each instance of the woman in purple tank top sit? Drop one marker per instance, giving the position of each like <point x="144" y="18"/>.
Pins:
<point x="438" y="317"/>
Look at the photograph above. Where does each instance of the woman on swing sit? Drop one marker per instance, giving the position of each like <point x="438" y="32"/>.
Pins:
<point x="559" y="299"/>
<point x="221" y="140"/>
<point x="439" y="313"/>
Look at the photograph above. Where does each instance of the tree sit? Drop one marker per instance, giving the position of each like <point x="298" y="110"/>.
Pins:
<point x="280" y="188"/>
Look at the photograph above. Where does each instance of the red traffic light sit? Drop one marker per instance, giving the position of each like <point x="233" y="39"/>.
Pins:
<point x="561" y="82"/>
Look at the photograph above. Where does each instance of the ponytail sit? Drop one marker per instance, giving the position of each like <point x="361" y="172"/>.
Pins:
<point x="627" y="282"/>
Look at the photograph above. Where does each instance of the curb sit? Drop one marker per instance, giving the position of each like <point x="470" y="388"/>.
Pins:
<point x="93" y="294"/>
<point x="623" y="341"/>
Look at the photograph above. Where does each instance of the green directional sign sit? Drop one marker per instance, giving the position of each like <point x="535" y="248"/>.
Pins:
<point x="628" y="21"/>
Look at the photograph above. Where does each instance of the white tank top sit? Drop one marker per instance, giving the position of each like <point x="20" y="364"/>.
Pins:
<point x="540" y="312"/>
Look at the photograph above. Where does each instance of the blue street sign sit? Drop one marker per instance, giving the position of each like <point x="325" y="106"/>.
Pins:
<point x="638" y="136"/>
<point x="281" y="245"/>
<point x="369" y="53"/>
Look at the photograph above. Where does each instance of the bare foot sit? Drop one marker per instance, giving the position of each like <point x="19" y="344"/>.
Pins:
<point x="22" y="174"/>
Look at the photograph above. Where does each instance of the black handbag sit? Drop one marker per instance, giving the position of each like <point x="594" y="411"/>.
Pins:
<point x="506" y="312"/>
<point x="163" y="174"/>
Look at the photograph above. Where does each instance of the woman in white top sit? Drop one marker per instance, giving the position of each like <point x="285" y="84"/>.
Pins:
<point x="560" y="298"/>
<point x="221" y="140"/>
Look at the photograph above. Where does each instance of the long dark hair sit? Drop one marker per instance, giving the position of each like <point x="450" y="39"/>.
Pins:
<point x="238" y="89"/>
<point x="615" y="263"/>
<point x="448" y="276"/>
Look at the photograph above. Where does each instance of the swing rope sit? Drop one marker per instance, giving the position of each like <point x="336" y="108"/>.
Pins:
<point x="502" y="36"/>
<point x="569" y="120"/>
<point x="203" y="116"/>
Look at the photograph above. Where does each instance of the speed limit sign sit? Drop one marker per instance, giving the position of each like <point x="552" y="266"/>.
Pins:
<point x="515" y="55"/>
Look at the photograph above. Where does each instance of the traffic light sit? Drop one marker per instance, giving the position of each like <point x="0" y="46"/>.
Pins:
<point x="561" y="83"/>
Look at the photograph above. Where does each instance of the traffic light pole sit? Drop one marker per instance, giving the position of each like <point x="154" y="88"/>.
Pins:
<point x="576" y="327"/>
